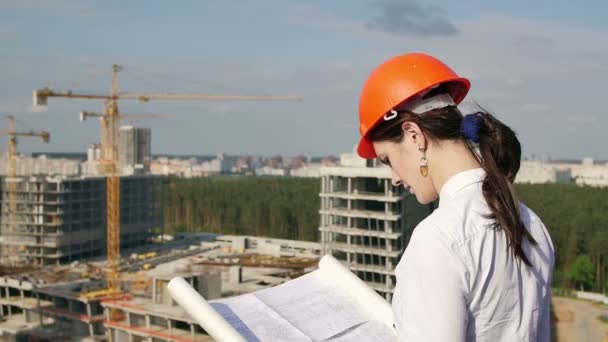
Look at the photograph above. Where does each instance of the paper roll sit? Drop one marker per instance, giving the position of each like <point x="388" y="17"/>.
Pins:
<point x="370" y="300"/>
<point x="197" y="307"/>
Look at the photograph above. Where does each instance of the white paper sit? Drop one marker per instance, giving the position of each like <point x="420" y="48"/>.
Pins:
<point x="334" y="273"/>
<point x="255" y="321"/>
<point x="196" y="306"/>
<point x="329" y="304"/>
<point x="311" y="305"/>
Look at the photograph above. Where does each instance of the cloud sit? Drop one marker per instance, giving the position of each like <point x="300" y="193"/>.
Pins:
<point x="512" y="82"/>
<point x="582" y="119"/>
<point x="408" y="18"/>
<point x="62" y="8"/>
<point x="536" y="107"/>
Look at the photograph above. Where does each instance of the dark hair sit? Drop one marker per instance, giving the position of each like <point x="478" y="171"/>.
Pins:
<point x="500" y="158"/>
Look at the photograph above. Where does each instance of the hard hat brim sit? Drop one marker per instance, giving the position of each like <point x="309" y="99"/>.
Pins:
<point x="366" y="149"/>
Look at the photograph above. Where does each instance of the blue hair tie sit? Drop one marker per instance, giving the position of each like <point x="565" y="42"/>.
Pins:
<point x="469" y="127"/>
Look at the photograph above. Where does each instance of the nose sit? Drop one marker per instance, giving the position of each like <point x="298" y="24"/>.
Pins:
<point x="395" y="180"/>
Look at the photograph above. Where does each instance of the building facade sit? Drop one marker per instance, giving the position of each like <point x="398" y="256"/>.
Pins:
<point x="59" y="220"/>
<point x="135" y="149"/>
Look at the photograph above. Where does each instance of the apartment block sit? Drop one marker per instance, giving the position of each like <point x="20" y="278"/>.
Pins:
<point x="62" y="219"/>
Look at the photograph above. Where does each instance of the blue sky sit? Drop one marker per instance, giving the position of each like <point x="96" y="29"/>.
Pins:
<point x="540" y="66"/>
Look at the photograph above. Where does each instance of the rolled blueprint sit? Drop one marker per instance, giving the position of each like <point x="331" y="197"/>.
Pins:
<point x="370" y="300"/>
<point x="203" y="313"/>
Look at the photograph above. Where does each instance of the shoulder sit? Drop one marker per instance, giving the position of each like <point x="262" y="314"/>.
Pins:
<point x="528" y="216"/>
<point x="537" y="229"/>
<point x="452" y="231"/>
<point x="433" y="240"/>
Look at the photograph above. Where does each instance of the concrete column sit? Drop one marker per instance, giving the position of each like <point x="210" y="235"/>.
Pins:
<point x="349" y="185"/>
<point x="89" y="310"/>
<point x="91" y="330"/>
<point x="192" y="331"/>
<point x="40" y="314"/>
<point x="147" y="321"/>
<point x="154" y="290"/>
<point x="22" y="297"/>
<point x="348" y="242"/>
<point x="128" y="318"/>
<point x="106" y="313"/>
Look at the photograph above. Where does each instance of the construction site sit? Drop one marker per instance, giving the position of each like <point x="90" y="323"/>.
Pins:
<point x="70" y="302"/>
<point x="83" y="255"/>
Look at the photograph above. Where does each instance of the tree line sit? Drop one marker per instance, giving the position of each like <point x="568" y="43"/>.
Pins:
<point x="263" y="206"/>
<point x="577" y="220"/>
<point x="283" y="207"/>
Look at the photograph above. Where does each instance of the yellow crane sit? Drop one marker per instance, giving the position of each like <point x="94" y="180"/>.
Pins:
<point x="11" y="177"/>
<point x="109" y="150"/>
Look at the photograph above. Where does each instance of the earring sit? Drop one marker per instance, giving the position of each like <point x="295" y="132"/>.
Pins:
<point x="424" y="164"/>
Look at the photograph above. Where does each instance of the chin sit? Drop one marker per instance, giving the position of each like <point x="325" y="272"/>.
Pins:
<point x="425" y="199"/>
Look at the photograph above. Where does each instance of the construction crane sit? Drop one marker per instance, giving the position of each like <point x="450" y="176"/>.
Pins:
<point x="11" y="179"/>
<point x="109" y="150"/>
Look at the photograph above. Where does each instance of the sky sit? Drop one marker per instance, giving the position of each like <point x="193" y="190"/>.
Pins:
<point x="539" y="66"/>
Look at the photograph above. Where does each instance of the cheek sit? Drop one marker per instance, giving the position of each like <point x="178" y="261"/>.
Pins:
<point x="407" y="170"/>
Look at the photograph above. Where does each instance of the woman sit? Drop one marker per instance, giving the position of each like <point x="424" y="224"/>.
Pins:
<point x="479" y="268"/>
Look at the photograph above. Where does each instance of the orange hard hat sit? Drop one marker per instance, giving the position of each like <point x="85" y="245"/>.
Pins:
<point x="395" y="82"/>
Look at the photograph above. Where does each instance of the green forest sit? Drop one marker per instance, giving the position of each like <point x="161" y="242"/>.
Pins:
<point x="277" y="207"/>
<point x="283" y="207"/>
<point x="577" y="219"/>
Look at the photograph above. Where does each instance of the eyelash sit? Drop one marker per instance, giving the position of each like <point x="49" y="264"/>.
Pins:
<point x="386" y="161"/>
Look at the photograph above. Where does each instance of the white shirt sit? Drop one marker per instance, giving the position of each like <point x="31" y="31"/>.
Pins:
<point x="457" y="281"/>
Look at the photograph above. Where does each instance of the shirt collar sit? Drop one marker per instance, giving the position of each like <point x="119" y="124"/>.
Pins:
<point x="461" y="180"/>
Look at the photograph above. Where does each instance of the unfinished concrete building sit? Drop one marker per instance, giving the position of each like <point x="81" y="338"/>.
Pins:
<point x="45" y="304"/>
<point x="366" y="222"/>
<point x="158" y="318"/>
<point x="59" y="220"/>
<point x="18" y="308"/>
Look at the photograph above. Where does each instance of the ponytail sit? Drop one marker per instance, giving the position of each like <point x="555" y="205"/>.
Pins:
<point x="500" y="158"/>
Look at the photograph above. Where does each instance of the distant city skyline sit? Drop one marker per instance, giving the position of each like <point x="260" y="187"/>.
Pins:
<point x="540" y="67"/>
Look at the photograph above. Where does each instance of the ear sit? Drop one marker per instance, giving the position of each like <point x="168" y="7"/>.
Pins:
<point x="413" y="133"/>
